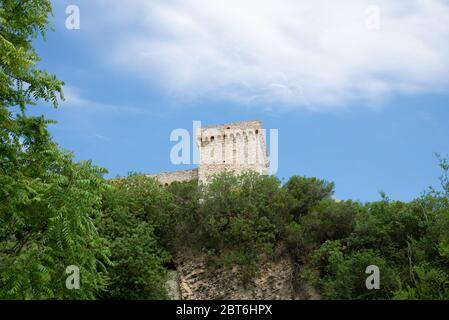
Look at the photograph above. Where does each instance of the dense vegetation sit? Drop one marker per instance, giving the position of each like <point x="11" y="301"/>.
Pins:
<point x="47" y="201"/>
<point x="121" y="233"/>
<point x="136" y="217"/>
<point x="241" y="219"/>
<point x="407" y="241"/>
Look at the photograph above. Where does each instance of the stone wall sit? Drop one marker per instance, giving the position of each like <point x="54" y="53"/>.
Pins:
<point x="166" y="178"/>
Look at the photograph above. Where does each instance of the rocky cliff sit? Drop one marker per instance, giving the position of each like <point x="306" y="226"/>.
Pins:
<point x="194" y="281"/>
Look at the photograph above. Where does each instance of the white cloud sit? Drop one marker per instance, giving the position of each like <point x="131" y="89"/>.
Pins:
<point x="289" y="53"/>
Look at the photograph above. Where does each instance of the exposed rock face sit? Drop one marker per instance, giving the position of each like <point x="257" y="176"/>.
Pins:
<point x="172" y="285"/>
<point x="274" y="282"/>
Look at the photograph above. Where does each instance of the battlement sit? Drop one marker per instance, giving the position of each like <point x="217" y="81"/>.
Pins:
<point x="242" y="125"/>
<point x="228" y="130"/>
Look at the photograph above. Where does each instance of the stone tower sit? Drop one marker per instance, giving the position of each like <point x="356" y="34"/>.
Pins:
<point x="234" y="147"/>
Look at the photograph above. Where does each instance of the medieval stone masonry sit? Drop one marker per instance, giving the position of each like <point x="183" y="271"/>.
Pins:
<point x="234" y="147"/>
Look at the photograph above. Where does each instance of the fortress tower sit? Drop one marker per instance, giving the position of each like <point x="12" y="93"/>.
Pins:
<point x="234" y="147"/>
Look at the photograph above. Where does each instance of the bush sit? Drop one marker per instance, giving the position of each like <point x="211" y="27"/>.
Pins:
<point x="136" y="221"/>
<point x="308" y="192"/>
<point x="242" y="217"/>
<point x="407" y="241"/>
<point x="342" y="276"/>
<point x="330" y="220"/>
<point x="185" y="233"/>
<point x="429" y="283"/>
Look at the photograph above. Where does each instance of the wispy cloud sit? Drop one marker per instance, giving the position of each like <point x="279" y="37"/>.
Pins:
<point x="291" y="53"/>
<point x="75" y="100"/>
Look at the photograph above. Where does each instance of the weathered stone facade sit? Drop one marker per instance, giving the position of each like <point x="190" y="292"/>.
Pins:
<point x="234" y="147"/>
<point x="175" y="176"/>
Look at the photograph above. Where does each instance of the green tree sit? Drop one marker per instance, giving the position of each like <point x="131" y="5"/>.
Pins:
<point x="329" y="220"/>
<point x="21" y="82"/>
<point x="136" y="221"/>
<point x="342" y="275"/>
<point x="184" y="233"/>
<point x="47" y="202"/>
<point x="407" y="241"/>
<point x="308" y="192"/>
<point x="243" y="216"/>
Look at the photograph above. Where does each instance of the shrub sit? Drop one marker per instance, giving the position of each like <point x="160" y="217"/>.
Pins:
<point x="242" y="217"/>
<point x="185" y="231"/>
<point x="430" y="283"/>
<point x="308" y="192"/>
<point x="330" y="220"/>
<point x="342" y="276"/>
<point x="136" y="221"/>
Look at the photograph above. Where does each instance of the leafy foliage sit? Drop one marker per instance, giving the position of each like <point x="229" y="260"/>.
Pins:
<point x="185" y="234"/>
<point x="343" y="275"/>
<point x="21" y="83"/>
<point x="136" y="216"/>
<point x="308" y="192"/>
<point x="407" y="241"/>
<point x="238" y="219"/>
<point x="47" y="208"/>
<point x="48" y="203"/>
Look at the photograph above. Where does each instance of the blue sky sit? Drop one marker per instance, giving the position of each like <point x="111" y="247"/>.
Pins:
<point x="363" y="106"/>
